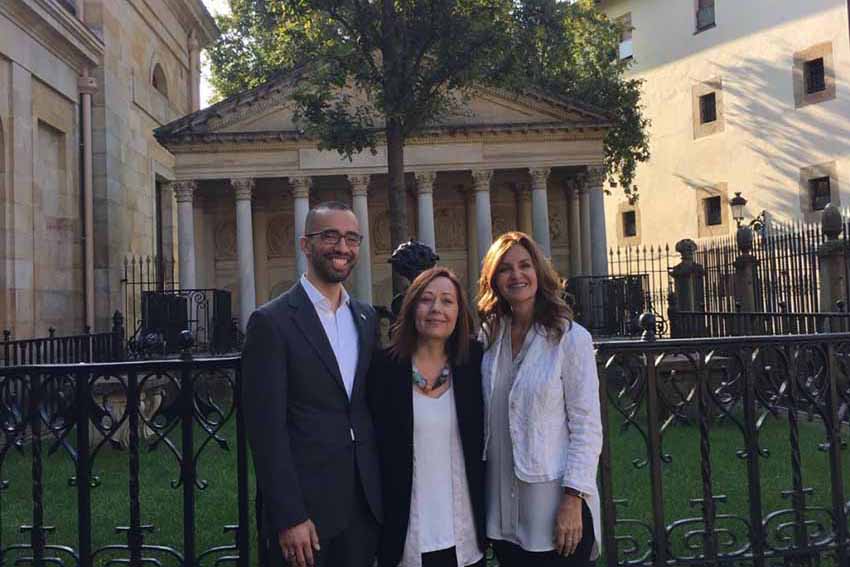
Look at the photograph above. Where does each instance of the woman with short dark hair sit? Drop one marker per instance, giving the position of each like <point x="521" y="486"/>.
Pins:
<point x="543" y="432"/>
<point x="425" y="395"/>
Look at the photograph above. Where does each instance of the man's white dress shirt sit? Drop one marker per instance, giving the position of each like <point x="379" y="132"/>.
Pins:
<point x="340" y="330"/>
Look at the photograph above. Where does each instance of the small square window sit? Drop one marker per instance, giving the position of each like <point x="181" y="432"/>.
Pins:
<point x="815" y="77"/>
<point x="629" y="224"/>
<point x="705" y="14"/>
<point x="819" y="190"/>
<point x="713" y="212"/>
<point x="625" y="50"/>
<point x="707" y="108"/>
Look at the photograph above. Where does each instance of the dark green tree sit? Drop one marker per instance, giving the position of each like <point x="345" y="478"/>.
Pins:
<point x="374" y="71"/>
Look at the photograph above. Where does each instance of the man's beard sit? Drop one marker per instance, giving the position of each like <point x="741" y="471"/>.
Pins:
<point x="325" y="270"/>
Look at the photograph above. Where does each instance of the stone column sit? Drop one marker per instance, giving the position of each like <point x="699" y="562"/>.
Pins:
<point x="87" y="85"/>
<point x="574" y="204"/>
<point x="483" y="218"/>
<point x="832" y="268"/>
<point x="260" y="222"/>
<point x="363" y="268"/>
<point x="540" y="208"/>
<point x="473" y="265"/>
<point x="598" y="240"/>
<point x="688" y="278"/>
<point x="184" y="194"/>
<point x="194" y="71"/>
<point x="301" y="206"/>
<point x="425" y="206"/>
<point x="586" y="233"/>
<point x="244" y="189"/>
<point x="523" y="203"/>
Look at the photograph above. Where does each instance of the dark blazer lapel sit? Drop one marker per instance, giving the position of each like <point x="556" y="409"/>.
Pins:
<point x="308" y="322"/>
<point x="463" y="385"/>
<point x="365" y="342"/>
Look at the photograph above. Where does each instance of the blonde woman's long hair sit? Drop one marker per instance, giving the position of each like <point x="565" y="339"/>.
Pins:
<point x="550" y="310"/>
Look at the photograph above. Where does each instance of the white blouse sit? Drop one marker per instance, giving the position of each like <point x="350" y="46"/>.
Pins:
<point x="440" y="507"/>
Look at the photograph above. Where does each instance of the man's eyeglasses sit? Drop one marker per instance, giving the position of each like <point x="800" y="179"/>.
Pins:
<point x="332" y="237"/>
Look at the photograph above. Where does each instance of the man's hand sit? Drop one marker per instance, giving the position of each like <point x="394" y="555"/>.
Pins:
<point x="298" y="543"/>
<point x="568" y="525"/>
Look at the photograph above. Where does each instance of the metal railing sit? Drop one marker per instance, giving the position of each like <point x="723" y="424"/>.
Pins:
<point x="87" y="412"/>
<point x="716" y="452"/>
<point x="725" y="451"/>
<point x="86" y="347"/>
<point x="685" y="324"/>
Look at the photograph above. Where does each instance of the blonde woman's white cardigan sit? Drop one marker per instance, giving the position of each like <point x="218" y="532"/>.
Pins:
<point x="554" y="415"/>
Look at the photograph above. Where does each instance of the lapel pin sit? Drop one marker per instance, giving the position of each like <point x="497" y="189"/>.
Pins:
<point x="363" y="316"/>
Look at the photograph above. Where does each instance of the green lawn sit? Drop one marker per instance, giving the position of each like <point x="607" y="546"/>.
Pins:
<point x="161" y="505"/>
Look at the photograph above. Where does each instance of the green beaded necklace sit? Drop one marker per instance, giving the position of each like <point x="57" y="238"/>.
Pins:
<point x="422" y="383"/>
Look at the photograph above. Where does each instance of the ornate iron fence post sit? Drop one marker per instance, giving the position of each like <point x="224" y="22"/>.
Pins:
<point x="118" y="351"/>
<point x="187" y="462"/>
<point x="832" y="265"/>
<point x="689" y="287"/>
<point x="746" y="266"/>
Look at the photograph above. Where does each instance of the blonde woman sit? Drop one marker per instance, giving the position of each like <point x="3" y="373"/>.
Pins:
<point x="543" y="433"/>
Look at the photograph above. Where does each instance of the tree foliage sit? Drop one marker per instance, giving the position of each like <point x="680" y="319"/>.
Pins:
<point x="376" y="71"/>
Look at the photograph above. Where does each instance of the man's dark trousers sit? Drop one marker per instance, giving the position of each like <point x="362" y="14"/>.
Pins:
<point x="314" y="448"/>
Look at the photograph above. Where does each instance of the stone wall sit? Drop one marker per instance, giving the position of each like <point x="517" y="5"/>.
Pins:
<point x="127" y="108"/>
<point x="40" y="228"/>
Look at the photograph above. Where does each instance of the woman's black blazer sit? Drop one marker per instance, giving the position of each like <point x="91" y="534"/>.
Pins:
<point x="391" y="400"/>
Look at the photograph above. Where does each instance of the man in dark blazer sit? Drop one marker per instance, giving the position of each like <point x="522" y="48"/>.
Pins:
<point x="311" y="434"/>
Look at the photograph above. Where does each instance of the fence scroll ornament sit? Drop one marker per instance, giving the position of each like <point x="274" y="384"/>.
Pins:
<point x="731" y="398"/>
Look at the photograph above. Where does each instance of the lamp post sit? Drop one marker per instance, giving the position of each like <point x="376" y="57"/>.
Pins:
<point x="738" y="204"/>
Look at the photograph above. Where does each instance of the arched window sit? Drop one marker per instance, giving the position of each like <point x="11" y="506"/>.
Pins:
<point x="159" y="81"/>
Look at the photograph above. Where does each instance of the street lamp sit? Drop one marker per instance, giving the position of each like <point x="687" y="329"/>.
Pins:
<point x="738" y="203"/>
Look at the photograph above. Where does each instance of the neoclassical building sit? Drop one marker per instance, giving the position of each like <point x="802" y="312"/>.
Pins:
<point x="246" y="176"/>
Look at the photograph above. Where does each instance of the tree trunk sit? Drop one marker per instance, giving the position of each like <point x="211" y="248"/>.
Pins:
<point x="393" y="95"/>
<point x="398" y="192"/>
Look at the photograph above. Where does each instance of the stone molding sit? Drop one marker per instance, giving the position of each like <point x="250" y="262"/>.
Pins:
<point x="481" y="179"/>
<point x="425" y="181"/>
<point x="243" y="187"/>
<point x="301" y="186"/>
<point x="359" y="184"/>
<point x="184" y="190"/>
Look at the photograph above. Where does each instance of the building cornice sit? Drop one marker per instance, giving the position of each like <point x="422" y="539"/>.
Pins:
<point x="292" y="140"/>
<point x="196" y="16"/>
<point x="57" y="29"/>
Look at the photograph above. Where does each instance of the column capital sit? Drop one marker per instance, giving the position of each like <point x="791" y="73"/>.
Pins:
<point x="481" y="179"/>
<point x="425" y="181"/>
<point x="595" y="177"/>
<point x="539" y="176"/>
<point x="243" y="187"/>
<point x="87" y="85"/>
<point x="301" y="186"/>
<point x="184" y="190"/>
<point x="359" y="184"/>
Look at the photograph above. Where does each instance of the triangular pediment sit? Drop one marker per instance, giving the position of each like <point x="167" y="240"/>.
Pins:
<point x="482" y="108"/>
<point x="268" y="109"/>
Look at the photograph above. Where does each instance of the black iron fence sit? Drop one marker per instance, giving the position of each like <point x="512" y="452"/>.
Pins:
<point x="158" y="311"/>
<point x="105" y="426"/>
<point x="736" y="323"/>
<point x="717" y="452"/>
<point x="725" y="451"/>
<point x="85" y="347"/>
